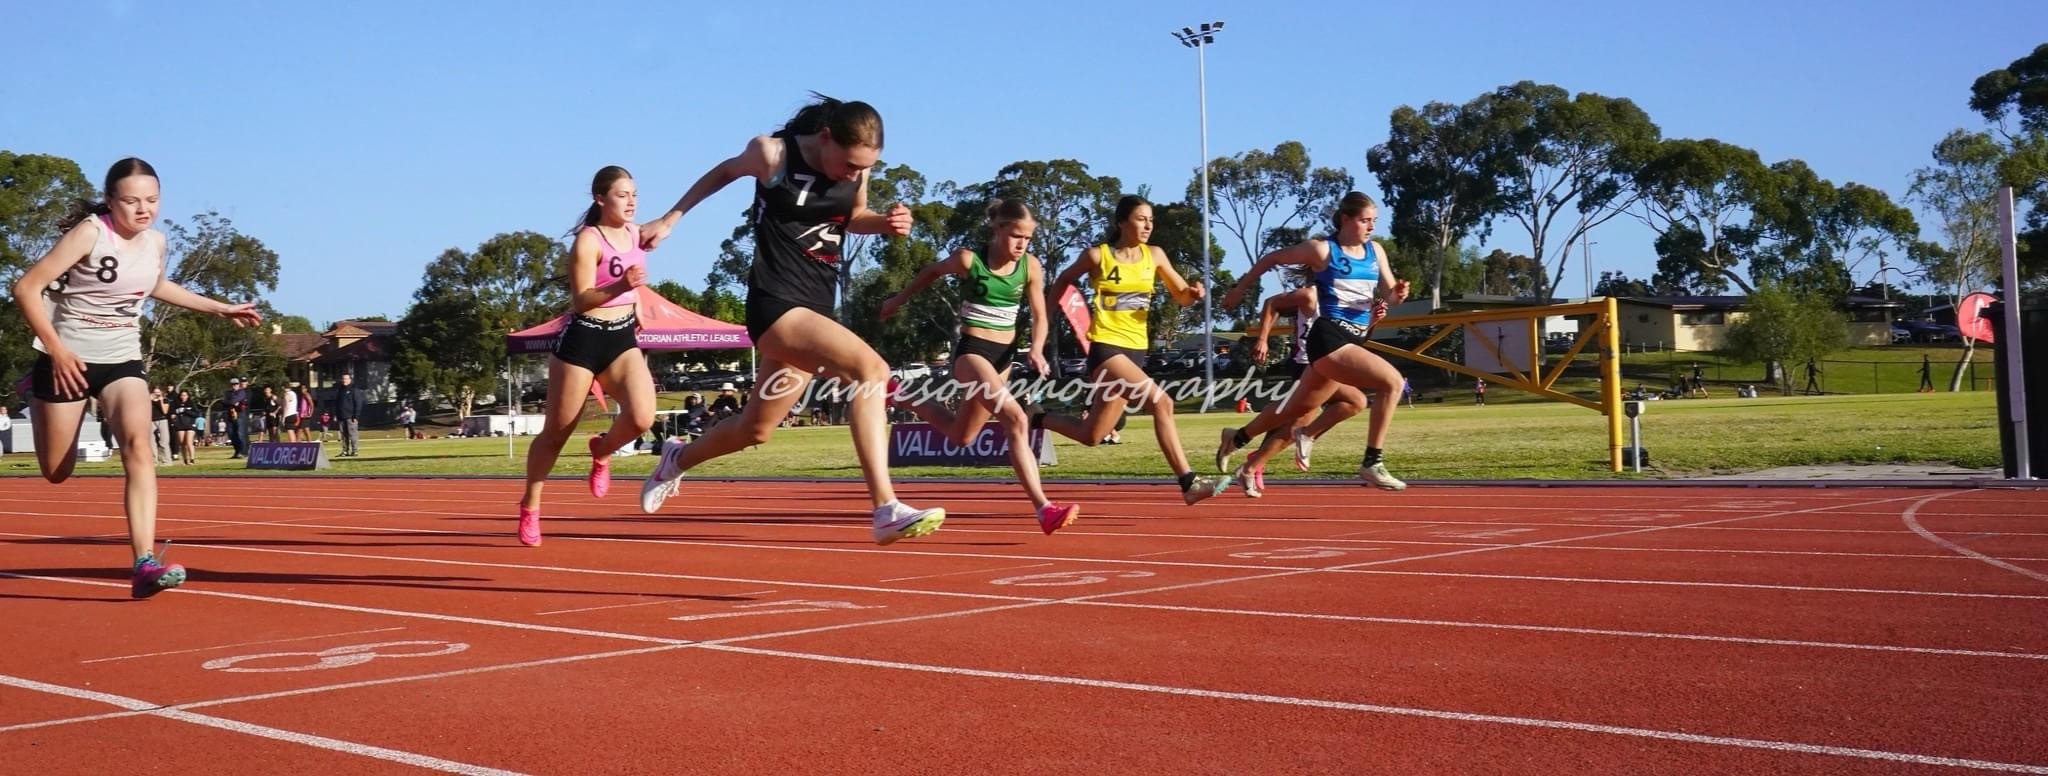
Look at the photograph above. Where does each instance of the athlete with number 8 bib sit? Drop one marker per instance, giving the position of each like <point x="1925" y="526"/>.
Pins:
<point x="811" y="189"/>
<point x="96" y="279"/>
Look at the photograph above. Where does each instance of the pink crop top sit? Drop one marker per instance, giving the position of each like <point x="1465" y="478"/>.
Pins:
<point x="612" y="262"/>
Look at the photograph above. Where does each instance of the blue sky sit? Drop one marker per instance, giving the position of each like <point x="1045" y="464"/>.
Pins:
<point x="361" y="139"/>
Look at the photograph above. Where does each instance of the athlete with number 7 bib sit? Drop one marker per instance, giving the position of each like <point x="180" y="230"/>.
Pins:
<point x="97" y="277"/>
<point x="810" y="190"/>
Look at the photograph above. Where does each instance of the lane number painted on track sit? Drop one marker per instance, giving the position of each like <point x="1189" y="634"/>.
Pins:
<point x="1302" y="553"/>
<point x="335" y="657"/>
<point x="1069" y="578"/>
<point x="796" y="606"/>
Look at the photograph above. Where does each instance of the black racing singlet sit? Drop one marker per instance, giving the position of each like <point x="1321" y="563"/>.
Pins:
<point x="799" y="220"/>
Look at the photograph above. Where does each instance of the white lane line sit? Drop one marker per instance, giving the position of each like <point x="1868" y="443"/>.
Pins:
<point x="969" y="571"/>
<point x="644" y="603"/>
<point x="240" y="644"/>
<point x="1406" y="711"/>
<point x="278" y="734"/>
<point x="1912" y="521"/>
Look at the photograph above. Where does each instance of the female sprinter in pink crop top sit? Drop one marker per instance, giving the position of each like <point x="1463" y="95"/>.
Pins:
<point x="599" y="342"/>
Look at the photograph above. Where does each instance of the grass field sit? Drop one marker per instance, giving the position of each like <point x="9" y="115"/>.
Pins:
<point x="1452" y="440"/>
<point x="1887" y="369"/>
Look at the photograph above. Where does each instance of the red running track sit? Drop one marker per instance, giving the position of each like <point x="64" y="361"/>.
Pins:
<point x="373" y="626"/>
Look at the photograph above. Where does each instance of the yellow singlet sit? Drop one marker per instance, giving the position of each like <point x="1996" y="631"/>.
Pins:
<point x="1123" y="300"/>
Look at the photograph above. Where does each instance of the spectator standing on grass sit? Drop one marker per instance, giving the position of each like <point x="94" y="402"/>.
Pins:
<point x="348" y="413"/>
<point x="237" y="409"/>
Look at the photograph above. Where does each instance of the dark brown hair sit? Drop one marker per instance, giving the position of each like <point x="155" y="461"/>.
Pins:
<point x="600" y="185"/>
<point x="84" y="209"/>
<point x="1352" y="204"/>
<point x="851" y="123"/>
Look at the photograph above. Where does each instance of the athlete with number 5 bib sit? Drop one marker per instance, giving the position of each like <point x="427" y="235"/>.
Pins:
<point x="607" y="268"/>
<point x="810" y="190"/>
<point x="995" y="285"/>
<point x="97" y="277"/>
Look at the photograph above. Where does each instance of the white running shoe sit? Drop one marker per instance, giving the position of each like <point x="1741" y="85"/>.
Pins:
<point x="897" y="520"/>
<point x="1203" y="488"/>
<point x="663" y="481"/>
<point x="1377" y="476"/>
<point x="1302" y="445"/>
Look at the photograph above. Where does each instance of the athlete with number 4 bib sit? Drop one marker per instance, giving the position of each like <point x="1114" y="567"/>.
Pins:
<point x="810" y="190"/>
<point x="1124" y="275"/>
<point x="607" y="268"/>
<point x="97" y="277"/>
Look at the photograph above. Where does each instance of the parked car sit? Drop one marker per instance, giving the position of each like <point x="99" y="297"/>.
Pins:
<point x="711" y="380"/>
<point x="1073" y="367"/>
<point x="911" y="372"/>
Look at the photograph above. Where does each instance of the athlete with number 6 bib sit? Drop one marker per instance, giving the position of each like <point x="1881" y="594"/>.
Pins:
<point x="810" y="190"/>
<point x="97" y="277"/>
<point x="995" y="285"/>
<point x="607" y="268"/>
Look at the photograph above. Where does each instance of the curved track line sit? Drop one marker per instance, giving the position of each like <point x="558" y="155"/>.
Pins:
<point x="1912" y="520"/>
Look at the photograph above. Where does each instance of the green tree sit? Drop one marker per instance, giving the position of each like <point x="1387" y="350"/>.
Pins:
<point x="1961" y="191"/>
<point x="1510" y="274"/>
<point x="1440" y="170"/>
<point x="1177" y="230"/>
<point x="1570" y="163"/>
<point x="36" y="192"/>
<point x="1254" y="187"/>
<point x="2021" y="90"/>
<point x="1780" y="327"/>
<point x="926" y="325"/>
<point x="1617" y="283"/>
<point x="1696" y="194"/>
<point x="451" y="342"/>
<point x="210" y="257"/>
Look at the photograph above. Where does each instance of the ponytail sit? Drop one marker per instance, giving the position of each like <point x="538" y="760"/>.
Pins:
<point x="850" y="123"/>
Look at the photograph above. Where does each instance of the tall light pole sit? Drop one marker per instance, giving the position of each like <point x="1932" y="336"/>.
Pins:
<point x="1199" y="40"/>
<point x="1589" y="269"/>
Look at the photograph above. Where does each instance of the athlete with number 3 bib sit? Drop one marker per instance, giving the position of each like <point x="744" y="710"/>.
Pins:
<point x="97" y="277"/>
<point x="810" y="190"/>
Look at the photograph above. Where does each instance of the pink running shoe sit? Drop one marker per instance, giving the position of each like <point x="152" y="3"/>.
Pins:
<point x="152" y="576"/>
<point x="529" y="526"/>
<point x="600" y="468"/>
<point x="1055" y="516"/>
